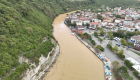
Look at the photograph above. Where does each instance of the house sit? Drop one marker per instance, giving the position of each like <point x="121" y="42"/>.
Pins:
<point x="107" y="8"/>
<point x="108" y="13"/>
<point x="128" y="21"/>
<point x="109" y="26"/>
<point x="96" y="20"/>
<point x="135" y="39"/>
<point x="80" y="28"/>
<point x="135" y="15"/>
<point x="103" y="24"/>
<point x="84" y="20"/>
<point x="118" y="20"/>
<point x="94" y="25"/>
<point x="74" y="20"/>
<point x="108" y="20"/>
<point x="80" y="32"/>
<point x="128" y="28"/>
<point x="79" y="23"/>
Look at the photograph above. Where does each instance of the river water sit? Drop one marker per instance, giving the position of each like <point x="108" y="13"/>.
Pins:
<point x="76" y="61"/>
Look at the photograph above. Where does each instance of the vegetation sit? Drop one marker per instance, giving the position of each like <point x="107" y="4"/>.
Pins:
<point x="136" y="52"/>
<point x="23" y="25"/>
<point x="121" y="54"/>
<point x="123" y="41"/>
<point x="111" y="36"/>
<point x="124" y="73"/>
<point x="100" y="47"/>
<point x="115" y="71"/>
<point x="99" y="17"/>
<point x="102" y="33"/>
<point x="136" y="73"/>
<point x="95" y="33"/>
<point x="128" y="64"/>
<point x="123" y="34"/>
<point x="114" y="3"/>
<point x="115" y="49"/>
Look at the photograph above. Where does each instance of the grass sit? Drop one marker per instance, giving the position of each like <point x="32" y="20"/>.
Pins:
<point x="136" y="52"/>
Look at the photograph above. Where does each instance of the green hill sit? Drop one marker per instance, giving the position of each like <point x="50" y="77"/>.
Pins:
<point x="114" y="3"/>
<point x="23" y="24"/>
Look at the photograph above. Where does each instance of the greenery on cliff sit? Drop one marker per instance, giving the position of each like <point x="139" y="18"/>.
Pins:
<point x="23" y="24"/>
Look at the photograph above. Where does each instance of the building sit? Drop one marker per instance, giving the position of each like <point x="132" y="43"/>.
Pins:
<point x="94" y="25"/>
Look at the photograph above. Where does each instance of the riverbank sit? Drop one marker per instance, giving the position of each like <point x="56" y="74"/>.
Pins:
<point x="76" y="62"/>
<point x="107" y="71"/>
<point x="45" y="64"/>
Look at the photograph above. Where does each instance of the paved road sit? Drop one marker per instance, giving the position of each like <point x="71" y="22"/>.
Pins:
<point x="111" y="55"/>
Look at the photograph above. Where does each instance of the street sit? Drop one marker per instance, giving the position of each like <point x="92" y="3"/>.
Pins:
<point x="112" y="56"/>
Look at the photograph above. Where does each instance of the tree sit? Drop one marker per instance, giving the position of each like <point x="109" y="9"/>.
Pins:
<point x="121" y="52"/>
<point x="132" y="18"/>
<point x="123" y="41"/>
<point x="136" y="73"/>
<point x="122" y="70"/>
<point x="99" y="17"/>
<point x="90" y="20"/>
<point x="130" y="78"/>
<point x="115" y="49"/>
<point x="93" y="42"/>
<point x="125" y="76"/>
<point x="130" y="65"/>
<point x="82" y="24"/>
<point x="110" y="32"/>
<point x="102" y="33"/>
<point x="126" y="62"/>
<point x="110" y="42"/>
<point x="115" y="64"/>
<point x="74" y="24"/>
<point x="81" y="35"/>
<point x="100" y="47"/>
<point x="3" y="38"/>
<point x="87" y="24"/>
<point x="95" y="33"/>
<point x="111" y="36"/>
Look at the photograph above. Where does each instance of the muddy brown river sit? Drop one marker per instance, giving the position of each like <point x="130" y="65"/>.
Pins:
<point x="76" y="61"/>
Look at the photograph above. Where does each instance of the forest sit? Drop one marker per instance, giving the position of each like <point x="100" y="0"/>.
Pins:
<point x="23" y="24"/>
<point x="116" y="3"/>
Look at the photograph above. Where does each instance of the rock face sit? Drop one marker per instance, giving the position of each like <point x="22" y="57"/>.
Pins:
<point x="45" y="64"/>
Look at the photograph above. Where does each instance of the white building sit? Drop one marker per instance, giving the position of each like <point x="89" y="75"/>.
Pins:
<point x="128" y="28"/>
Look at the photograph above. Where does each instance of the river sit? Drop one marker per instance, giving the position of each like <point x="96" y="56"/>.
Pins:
<point x="76" y="61"/>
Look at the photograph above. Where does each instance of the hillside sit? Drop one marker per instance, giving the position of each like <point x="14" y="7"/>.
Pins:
<point x="114" y="3"/>
<point x="23" y="24"/>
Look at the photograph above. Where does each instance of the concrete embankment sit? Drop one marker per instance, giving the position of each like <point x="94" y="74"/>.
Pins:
<point x="108" y="63"/>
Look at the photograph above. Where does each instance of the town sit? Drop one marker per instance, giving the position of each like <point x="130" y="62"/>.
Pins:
<point x="114" y="33"/>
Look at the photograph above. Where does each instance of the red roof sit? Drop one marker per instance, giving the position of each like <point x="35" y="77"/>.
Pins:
<point x="81" y="32"/>
<point x="94" y="23"/>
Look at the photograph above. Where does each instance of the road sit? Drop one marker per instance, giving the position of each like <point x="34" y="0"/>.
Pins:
<point x="111" y="55"/>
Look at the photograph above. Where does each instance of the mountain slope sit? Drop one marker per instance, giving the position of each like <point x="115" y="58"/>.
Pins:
<point x="23" y="24"/>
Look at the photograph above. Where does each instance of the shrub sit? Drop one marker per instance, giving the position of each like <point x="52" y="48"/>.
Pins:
<point x="110" y="47"/>
<point x="136" y="73"/>
<point x="100" y="47"/>
<point x="93" y="42"/>
<point x="126" y="62"/>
